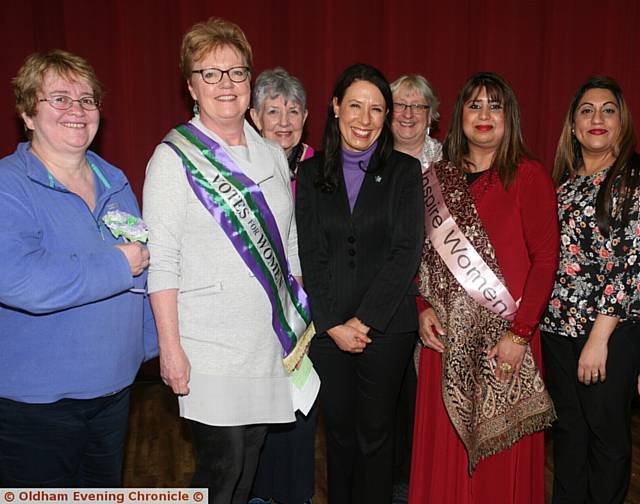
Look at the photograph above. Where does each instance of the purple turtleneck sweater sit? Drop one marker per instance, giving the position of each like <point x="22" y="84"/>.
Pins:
<point x="353" y="174"/>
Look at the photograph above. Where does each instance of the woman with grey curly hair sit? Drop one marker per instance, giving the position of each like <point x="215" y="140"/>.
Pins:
<point x="415" y="108"/>
<point x="279" y="112"/>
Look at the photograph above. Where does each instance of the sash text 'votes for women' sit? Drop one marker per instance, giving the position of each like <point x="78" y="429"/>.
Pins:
<point x="236" y="200"/>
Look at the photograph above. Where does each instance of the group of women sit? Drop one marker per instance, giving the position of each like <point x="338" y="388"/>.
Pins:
<point x="500" y="267"/>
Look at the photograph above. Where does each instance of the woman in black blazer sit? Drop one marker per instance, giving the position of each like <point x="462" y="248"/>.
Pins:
<point x="360" y="235"/>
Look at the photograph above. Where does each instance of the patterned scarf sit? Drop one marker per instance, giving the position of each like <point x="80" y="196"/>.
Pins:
<point x="488" y="415"/>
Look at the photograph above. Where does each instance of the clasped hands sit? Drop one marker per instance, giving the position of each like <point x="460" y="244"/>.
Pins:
<point x="352" y="336"/>
<point x="508" y="354"/>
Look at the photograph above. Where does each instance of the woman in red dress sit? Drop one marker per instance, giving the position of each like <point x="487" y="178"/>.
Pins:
<point x="486" y="275"/>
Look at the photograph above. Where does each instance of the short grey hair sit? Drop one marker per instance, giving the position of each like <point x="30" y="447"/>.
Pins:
<point x="416" y="82"/>
<point x="278" y="82"/>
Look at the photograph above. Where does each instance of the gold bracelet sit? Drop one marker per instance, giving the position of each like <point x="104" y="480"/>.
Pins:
<point x="518" y="340"/>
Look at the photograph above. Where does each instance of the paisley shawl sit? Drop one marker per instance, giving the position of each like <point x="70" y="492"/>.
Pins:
<point x="489" y="416"/>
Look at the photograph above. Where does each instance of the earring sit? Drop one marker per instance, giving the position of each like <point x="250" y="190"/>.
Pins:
<point x="573" y="131"/>
<point x="335" y="116"/>
<point x="196" y="108"/>
<point x="428" y="130"/>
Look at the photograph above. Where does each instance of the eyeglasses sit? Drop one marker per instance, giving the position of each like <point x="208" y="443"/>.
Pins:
<point x="214" y="75"/>
<point x="63" y="102"/>
<point x="417" y="108"/>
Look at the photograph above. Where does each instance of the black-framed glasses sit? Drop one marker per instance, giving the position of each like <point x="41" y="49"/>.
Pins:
<point x="63" y="102"/>
<point x="417" y="108"/>
<point x="214" y="75"/>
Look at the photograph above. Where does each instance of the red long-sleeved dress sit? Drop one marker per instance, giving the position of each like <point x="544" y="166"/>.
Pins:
<point x="522" y="226"/>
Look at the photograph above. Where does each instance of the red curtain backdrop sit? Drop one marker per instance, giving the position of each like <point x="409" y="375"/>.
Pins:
<point x="544" y="48"/>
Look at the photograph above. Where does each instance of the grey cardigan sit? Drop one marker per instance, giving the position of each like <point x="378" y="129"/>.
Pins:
<point x="224" y="315"/>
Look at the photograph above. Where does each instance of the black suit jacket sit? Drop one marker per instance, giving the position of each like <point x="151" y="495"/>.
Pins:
<point x="362" y="264"/>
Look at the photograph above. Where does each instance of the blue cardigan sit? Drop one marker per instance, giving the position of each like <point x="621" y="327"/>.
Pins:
<point x="70" y="324"/>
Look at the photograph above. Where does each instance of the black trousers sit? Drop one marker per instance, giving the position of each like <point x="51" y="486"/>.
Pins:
<point x="68" y="443"/>
<point x="592" y="437"/>
<point x="359" y="395"/>
<point x="226" y="460"/>
<point x="406" y="412"/>
<point x="286" y="471"/>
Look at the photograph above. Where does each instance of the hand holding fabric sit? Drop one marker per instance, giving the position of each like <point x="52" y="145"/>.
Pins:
<point x="137" y="256"/>
<point x="430" y="329"/>
<point x="509" y="356"/>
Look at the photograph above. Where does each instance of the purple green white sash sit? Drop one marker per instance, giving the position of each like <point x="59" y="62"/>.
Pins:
<point x="239" y="207"/>
<point x="464" y="262"/>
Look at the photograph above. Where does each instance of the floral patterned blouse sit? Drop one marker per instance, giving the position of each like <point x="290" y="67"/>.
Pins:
<point x="595" y="274"/>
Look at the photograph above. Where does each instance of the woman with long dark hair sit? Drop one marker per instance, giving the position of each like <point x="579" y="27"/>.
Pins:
<point x="486" y="273"/>
<point x="360" y="221"/>
<point x="590" y="340"/>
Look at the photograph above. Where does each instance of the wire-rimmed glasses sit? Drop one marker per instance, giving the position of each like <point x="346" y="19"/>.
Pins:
<point x="64" y="102"/>
<point x="416" y="108"/>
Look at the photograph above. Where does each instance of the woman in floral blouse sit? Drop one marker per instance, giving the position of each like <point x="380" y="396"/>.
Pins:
<point x="590" y="330"/>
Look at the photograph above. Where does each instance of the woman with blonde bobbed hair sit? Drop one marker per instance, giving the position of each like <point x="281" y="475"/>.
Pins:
<point x="218" y="203"/>
<point x="415" y="109"/>
<point x="72" y="293"/>
<point x="591" y="339"/>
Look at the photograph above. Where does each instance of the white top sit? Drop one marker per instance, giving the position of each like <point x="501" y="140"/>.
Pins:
<point x="224" y="315"/>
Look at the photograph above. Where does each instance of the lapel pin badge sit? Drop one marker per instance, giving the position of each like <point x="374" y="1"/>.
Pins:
<point x="378" y="179"/>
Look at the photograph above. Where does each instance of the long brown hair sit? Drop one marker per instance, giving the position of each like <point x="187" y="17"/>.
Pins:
<point x="623" y="176"/>
<point x="511" y="149"/>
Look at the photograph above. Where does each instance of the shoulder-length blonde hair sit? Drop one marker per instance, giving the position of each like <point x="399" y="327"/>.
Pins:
<point x="624" y="175"/>
<point x="511" y="149"/>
